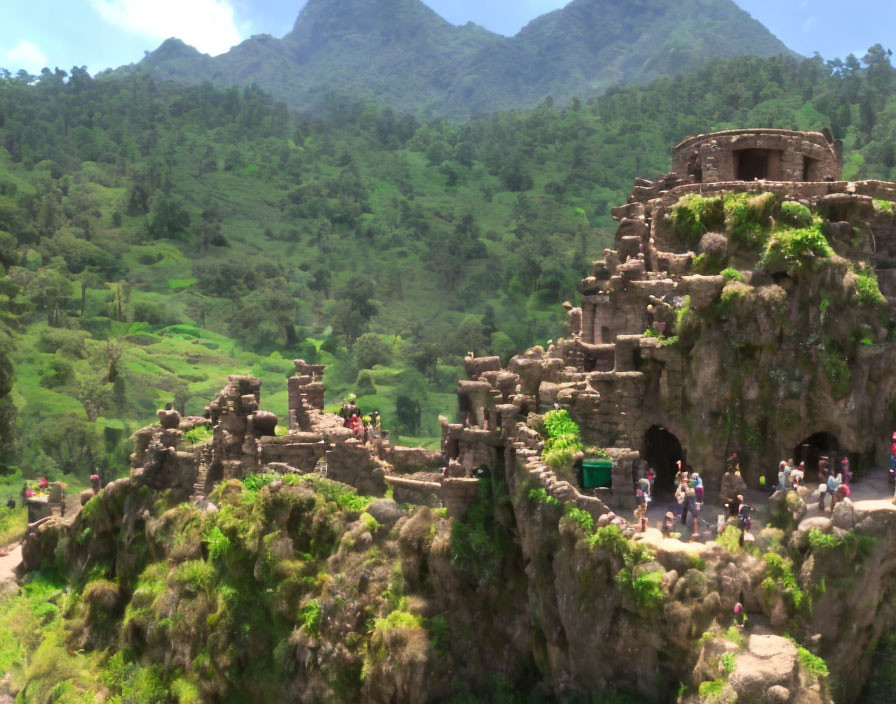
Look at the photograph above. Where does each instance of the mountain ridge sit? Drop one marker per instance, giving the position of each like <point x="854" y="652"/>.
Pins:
<point x="404" y="54"/>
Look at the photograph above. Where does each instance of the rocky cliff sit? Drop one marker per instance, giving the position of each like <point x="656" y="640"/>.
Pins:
<point x="294" y="587"/>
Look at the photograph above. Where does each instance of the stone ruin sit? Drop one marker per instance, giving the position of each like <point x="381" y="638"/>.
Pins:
<point x="750" y="375"/>
<point x="640" y="396"/>
<point x="243" y="440"/>
<point x="758" y="154"/>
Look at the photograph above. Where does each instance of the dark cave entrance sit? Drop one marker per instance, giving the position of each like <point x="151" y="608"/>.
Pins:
<point x="814" y="447"/>
<point x="662" y="451"/>
<point x="751" y="164"/>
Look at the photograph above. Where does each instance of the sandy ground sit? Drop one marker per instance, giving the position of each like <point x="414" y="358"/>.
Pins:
<point x="10" y="557"/>
<point x="871" y="493"/>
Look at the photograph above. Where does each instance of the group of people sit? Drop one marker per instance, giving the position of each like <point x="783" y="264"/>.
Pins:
<point x="365" y="428"/>
<point x="835" y="483"/>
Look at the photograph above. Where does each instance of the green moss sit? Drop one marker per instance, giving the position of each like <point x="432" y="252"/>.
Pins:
<point x="728" y="662"/>
<point x="541" y="496"/>
<point x="711" y="688"/>
<point x="796" y="249"/>
<point x="796" y="214"/>
<point x="780" y="578"/>
<point x="730" y="274"/>
<point x="693" y="216"/>
<point x="867" y="288"/>
<point x="736" y="636"/>
<point x="198" y="435"/>
<point x="885" y="206"/>
<point x="748" y="217"/>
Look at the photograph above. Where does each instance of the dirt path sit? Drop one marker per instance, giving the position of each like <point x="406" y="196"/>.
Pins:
<point x="10" y="557"/>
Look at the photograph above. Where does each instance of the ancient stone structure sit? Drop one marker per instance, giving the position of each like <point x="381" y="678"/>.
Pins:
<point x="764" y="154"/>
<point x="654" y="363"/>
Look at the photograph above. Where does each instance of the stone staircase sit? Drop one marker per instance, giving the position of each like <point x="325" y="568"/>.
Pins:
<point x="201" y="483"/>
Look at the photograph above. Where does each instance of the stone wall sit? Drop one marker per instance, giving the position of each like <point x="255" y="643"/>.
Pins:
<point x="788" y="156"/>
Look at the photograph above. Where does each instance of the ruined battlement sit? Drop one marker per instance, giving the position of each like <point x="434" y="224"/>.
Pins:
<point x="751" y="154"/>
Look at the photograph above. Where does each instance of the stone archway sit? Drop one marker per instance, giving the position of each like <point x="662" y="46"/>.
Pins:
<point x="662" y="450"/>
<point x="821" y="444"/>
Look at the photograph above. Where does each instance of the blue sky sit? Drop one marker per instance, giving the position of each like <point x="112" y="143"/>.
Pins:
<point x="109" y="33"/>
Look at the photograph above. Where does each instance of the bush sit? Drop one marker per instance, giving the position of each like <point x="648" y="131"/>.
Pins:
<point x="370" y="350"/>
<point x="695" y="215"/>
<point x="867" y="289"/>
<point x="581" y="518"/>
<point x="794" y="250"/>
<point x="748" y="216"/>
<point x="55" y="373"/>
<point x="796" y="214"/>
<point x="70" y="343"/>
<point x="731" y="274"/>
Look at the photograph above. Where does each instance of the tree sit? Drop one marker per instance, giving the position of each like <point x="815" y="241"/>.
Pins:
<point x="51" y="292"/>
<point x="371" y="350"/>
<point x="71" y="442"/>
<point x="470" y="335"/>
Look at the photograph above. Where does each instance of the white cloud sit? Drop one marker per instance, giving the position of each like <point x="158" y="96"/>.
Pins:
<point x="24" y="55"/>
<point x="208" y="25"/>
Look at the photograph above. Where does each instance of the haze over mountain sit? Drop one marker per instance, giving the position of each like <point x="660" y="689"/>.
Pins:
<point x="402" y="53"/>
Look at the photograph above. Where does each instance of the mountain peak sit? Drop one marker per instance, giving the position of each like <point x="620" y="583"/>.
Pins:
<point x="400" y="52"/>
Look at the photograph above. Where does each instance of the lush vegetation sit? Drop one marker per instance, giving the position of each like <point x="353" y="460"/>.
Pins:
<point x="155" y="238"/>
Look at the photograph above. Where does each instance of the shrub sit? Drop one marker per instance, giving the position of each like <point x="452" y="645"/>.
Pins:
<point x="796" y="214"/>
<point x="218" y="543"/>
<point x="794" y="250"/>
<point x="780" y="577"/>
<point x="581" y="518"/>
<point x="813" y="664"/>
<point x="310" y="617"/>
<point x="731" y="274"/>
<point x="747" y="216"/>
<point x="695" y="215"/>
<point x="198" y="434"/>
<point x="557" y="423"/>
<point x="70" y="343"/>
<point x="541" y="496"/>
<point x="867" y="289"/>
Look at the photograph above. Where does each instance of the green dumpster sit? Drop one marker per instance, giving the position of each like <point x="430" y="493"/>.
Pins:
<point x="597" y="473"/>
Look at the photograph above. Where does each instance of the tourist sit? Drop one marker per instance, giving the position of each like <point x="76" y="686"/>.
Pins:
<point x="845" y="470"/>
<point x="681" y="475"/>
<point x="799" y="474"/>
<point x="95" y="483"/>
<point x="641" y="510"/>
<point x="823" y="476"/>
<point x="668" y="525"/>
<point x="892" y="476"/>
<point x="644" y="487"/>
<point x="743" y="518"/>
<point x="697" y="484"/>
<point x="782" y="476"/>
<point x="740" y="616"/>
<point x="651" y="477"/>
<point x="734" y="506"/>
<point x="833" y="484"/>
<point x="688" y="501"/>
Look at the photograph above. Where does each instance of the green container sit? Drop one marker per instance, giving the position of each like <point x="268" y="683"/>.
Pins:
<point x="597" y="474"/>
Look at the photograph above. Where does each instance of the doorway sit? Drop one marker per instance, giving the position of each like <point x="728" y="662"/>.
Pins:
<point x="662" y="450"/>
<point x="752" y="164"/>
<point x="812" y="448"/>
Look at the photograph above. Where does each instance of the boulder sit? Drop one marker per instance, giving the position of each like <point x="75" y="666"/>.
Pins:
<point x="770" y="661"/>
<point x="386" y="512"/>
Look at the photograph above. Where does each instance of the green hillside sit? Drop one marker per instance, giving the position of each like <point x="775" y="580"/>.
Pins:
<point x="157" y="238"/>
<point x="402" y="54"/>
